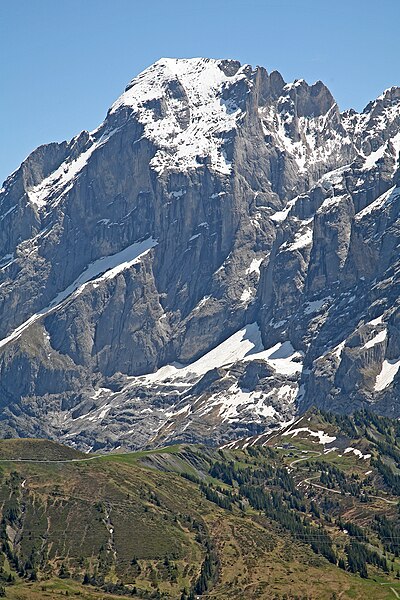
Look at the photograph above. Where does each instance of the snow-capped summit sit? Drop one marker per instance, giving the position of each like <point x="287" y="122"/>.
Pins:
<point x="185" y="109"/>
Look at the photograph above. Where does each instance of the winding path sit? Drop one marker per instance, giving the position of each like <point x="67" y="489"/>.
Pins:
<point x="307" y="480"/>
<point x="298" y="460"/>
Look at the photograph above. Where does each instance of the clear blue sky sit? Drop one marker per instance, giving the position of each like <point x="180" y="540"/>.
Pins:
<point x="63" y="62"/>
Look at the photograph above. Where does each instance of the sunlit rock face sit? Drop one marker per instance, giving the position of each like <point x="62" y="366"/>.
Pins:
<point x="219" y="254"/>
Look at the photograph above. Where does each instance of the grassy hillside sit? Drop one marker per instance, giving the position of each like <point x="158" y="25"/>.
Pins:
<point x="33" y="449"/>
<point x="311" y="512"/>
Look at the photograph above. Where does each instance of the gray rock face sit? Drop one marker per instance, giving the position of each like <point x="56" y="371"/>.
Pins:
<point x="222" y="252"/>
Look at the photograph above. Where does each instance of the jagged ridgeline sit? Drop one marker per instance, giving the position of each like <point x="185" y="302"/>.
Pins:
<point x="220" y="253"/>
<point x="311" y="512"/>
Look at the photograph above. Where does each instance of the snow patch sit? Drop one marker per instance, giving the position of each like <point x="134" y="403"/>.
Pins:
<point x="315" y="305"/>
<point x="62" y="179"/>
<point x="323" y="438"/>
<point x="282" y="357"/>
<point x="254" y="266"/>
<point x="357" y="453"/>
<point x="372" y="159"/>
<point x="246" y="295"/>
<point x="245" y="344"/>
<point x="377" y="339"/>
<point x="387" y="374"/>
<point x="300" y="241"/>
<point x="380" y="203"/>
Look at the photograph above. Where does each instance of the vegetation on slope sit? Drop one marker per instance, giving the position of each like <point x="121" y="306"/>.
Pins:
<point x="291" y="518"/>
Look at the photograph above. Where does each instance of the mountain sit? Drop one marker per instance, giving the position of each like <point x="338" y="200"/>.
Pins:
<point x="310" y="513"/>
<point x="221" y="253"/>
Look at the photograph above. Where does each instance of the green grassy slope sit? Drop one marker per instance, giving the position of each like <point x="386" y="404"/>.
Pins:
<point x="34" y="449"/>
<point x="293" y="518"/>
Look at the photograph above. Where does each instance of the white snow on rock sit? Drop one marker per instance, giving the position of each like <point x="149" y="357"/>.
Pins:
<point x="337" y="350"/>
<point x="100" y="270"/>
<point x="280" y="215"/>
<point x="8" y="212"/>
<point x="331" y="201"/>
<point x="63" y="178"/>
<point x="392" y="145"/>
<point x="323" y="438"/>
<point x="315" y="305"/>
<point x="245" y="344"/>
<point x="357" y="453"/>
<point x="376" y="321"/>
<point x="306" y="151"/>
<point x="377" y="339"/>
<point x="301" y="241"/>
<point x="231" y="401"/>
<point x="6" y="260"/>
<point x="246" y="341"/>
<point x="387" y="374"/>
<point x="254" y="266"/>
<point x="277" y="324"/>
<point x="373" y="158"/>
<point x="246" y="295"/>
<point x="380" y="203"/>
<point x="282" y="357"/>
<point x="194" y="116"/>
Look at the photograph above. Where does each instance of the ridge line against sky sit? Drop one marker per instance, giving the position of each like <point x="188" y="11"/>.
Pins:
<point x="64" y="63"/>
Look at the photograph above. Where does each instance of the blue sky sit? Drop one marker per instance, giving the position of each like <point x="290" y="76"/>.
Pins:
<point x="63" y="62"/>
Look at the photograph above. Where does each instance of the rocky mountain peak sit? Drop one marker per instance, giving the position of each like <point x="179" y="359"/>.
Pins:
<point x="222" y="250"/>
<point x="186" y="109"/>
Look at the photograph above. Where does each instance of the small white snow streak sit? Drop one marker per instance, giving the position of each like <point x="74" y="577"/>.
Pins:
<point x="373" y="158"/>
<point x="9" y="211"/>
<point x="381" y="202"/>
<point x="301" y="240"/>
<point x="337" y="350"/>
<point x="315" y="305"/>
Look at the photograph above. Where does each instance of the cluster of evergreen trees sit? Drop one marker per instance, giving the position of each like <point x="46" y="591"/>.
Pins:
<point x="208" y="572"/>
<point x="216" y="496"/>
<point x="332" y="477"/>
<point x="388" y="531"/>
<point x="284" y="503"/>
<point x="358" y="555"/>
<point x="391" y="479"/>
<point x="275" y="507"/>
<point x="353" y="530"/>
